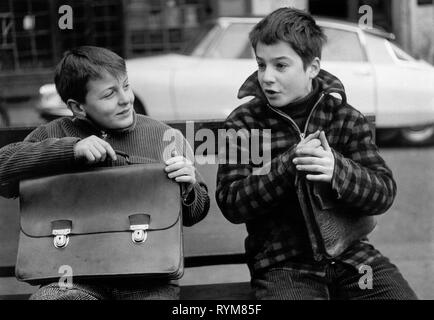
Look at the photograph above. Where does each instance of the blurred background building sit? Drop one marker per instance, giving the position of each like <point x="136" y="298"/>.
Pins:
<point x="31" y="41"/>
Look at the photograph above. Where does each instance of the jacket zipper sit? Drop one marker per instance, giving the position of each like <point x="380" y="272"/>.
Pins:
<point x="302" y="135"/>
<point x="318" y="256"/>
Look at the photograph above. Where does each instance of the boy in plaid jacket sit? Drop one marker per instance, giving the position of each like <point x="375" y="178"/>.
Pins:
<point x="328" y="141"/>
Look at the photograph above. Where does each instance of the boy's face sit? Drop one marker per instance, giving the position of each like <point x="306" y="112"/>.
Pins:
<point x="281" y="74"/>
<point x="109" y="101"/>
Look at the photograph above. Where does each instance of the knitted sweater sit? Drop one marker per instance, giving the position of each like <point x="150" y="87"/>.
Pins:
<point x="49" y="149"/>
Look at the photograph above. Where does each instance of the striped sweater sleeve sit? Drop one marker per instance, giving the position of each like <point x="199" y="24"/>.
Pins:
<point x="361" y="177"/>
<point x="196" y="202"/>
<point x="195" y="205"/>
<point x="37" y="155"/>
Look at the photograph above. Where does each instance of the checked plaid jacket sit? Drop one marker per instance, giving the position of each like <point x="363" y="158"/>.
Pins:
<point x="268" y="204"/>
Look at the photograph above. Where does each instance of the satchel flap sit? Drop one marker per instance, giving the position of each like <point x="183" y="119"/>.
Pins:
<point x="339" y="225"/>
<point x="325" y="197"/>
<point x="100" y="200"/>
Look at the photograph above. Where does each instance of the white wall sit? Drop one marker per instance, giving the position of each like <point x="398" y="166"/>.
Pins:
<point x="423" y="31"/>
<point x="232" y="8"/>
<point x="261" y="7"/>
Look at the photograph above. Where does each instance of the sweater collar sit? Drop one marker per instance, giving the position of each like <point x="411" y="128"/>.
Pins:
<point x="95" y="127"/>
<point x="304" y="105"/>
<point x="328" y="84"/>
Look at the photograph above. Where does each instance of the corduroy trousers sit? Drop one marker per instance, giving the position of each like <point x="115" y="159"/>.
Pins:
<point x="340" y="282"/>
<point x="113" y="290"/>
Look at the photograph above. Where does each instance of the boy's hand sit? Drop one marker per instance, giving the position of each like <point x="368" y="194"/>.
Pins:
<point x="180" y="169"/>
<point x="94" y="150"/>
<point x="311" y="141"/>
<point x="319" y="160"/>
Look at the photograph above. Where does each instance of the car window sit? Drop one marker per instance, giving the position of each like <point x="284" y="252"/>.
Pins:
<point x="342" y="45"/>
<point x="400" y="54"/>
<point x="204" y="41"/>
<point x="234" y="43"/>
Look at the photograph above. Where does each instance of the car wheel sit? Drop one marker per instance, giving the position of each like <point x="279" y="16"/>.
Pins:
<point x="139" y="107"/>
<point x="386" y="136"/>
<point x="418" y="135"/>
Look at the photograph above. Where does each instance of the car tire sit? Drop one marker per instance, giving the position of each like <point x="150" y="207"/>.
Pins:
<point x="386" y="136"/>
<point x="139" y="106"/>
<point x="417" y="136"/>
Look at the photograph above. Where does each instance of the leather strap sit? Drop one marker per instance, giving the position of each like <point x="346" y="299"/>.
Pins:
<point x="140" y="219"/>
<point x="61" y="225"/>
<point x="123" y="154"/>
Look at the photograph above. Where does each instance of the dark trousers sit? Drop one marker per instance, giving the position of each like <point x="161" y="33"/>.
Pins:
<point x="117" y="290"/>
<point x="341" y="282"/>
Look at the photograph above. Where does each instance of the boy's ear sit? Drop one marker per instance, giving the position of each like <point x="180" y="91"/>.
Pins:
<point x="314" y="67"/>
<point x="76" y="108"/>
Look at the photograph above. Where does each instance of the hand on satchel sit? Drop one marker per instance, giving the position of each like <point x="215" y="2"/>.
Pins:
<point x="314" y="155"/>
<point x="180" y="169"/>
<point x="93" y="150"/>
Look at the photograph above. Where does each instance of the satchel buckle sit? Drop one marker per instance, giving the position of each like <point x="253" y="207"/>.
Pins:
<point x="61" y="238"/>
<point x="139" y="234"/>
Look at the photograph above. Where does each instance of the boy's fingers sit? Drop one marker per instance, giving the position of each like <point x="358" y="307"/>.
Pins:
<point x="102" y="151"/>
<point x="111" y="152"/>
<point x="181" y="172"/>
<point x="185" y="179"/>
<point x="310" y="168"/>
<point x="95" y="153"/>
<point x="317" y="177"/>
<point x="175" y="166"/>
<point x="311" y="136"/>
<point x="107" y="149"/>
<point x="318" y="152"/>
<point x="324" y="141"/>
<point x="175" y="159"/>
<point x="89" y="156"/>
<point x="308" y="160"/>
<point x="314" y="143"/>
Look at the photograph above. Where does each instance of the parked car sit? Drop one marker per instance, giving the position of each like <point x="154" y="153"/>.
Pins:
<point x="379" y="77"/>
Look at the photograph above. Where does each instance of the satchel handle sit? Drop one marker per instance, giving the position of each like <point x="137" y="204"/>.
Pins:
<point x="123" y="154"/>
<point x="129" y="161"/>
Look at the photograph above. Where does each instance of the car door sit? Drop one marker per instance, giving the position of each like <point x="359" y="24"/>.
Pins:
<point x="207" y="87"/>
<point x="344" y="56"/>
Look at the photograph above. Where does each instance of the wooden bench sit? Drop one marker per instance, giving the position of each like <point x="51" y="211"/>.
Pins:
<point x="214" y="248"/>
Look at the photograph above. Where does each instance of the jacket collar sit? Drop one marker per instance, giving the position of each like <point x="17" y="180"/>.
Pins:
<point x="328" y="83"/>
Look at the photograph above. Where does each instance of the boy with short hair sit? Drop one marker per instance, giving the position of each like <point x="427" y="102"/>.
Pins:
<point x="292" y="97"/>
<point x="93" y="82"/>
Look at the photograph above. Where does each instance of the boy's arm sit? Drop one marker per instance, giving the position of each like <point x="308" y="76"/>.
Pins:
<point x="195" y="202"/>
<point x="242" y="194"/>
<point x="37" y="155"/>
<point x="361" y="177"/>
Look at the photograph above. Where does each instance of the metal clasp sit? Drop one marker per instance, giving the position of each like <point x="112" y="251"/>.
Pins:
<point x="139" y="234"/>
<point x="61" y="238"/>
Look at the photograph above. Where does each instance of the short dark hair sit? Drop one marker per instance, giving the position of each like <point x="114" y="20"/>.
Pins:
<point x="81" y="64"/>
<point x="293" y="26"/>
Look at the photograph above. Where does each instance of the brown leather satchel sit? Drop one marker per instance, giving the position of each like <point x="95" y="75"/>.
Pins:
<point x="332" y="226"/>
<point x="107" y="222"/>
